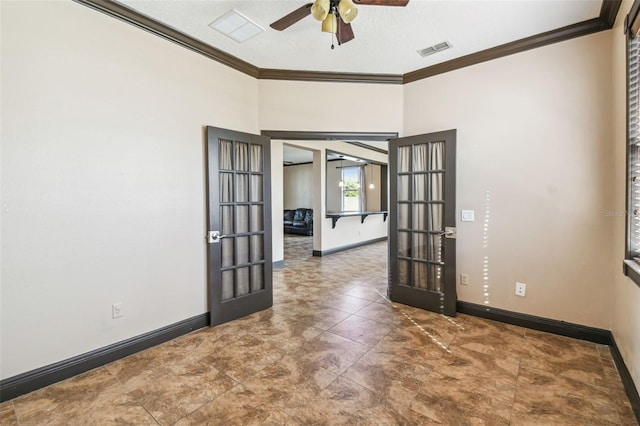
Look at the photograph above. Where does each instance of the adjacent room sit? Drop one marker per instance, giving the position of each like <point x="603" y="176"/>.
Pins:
<point x="341" y="211"/>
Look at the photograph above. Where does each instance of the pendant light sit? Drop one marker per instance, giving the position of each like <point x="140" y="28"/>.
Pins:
<point x="371" y="185"/>
<point x="341" y="184"/>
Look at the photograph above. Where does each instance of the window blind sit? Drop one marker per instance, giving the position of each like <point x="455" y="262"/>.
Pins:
<point x="633" y="132"/>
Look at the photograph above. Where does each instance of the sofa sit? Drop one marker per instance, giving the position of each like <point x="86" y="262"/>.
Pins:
<point x="298" y="221"/>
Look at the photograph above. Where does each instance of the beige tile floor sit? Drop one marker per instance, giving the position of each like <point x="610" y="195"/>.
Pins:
<point x="333" y="351"/>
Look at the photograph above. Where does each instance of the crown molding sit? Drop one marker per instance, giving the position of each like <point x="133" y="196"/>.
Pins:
<point x="273" y="74"/>
<point x="604" y="21"/>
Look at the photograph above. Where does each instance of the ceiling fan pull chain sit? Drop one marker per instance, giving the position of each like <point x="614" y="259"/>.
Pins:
<point x="332" y="46"/>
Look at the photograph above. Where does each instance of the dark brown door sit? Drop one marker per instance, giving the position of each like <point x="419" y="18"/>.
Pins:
<point x="239" y="224"/>
<point x="422" y="244"/>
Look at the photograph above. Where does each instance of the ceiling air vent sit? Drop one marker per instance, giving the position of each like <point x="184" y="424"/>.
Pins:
<point x="435" y="48"/>
<point x="237" y="26"/>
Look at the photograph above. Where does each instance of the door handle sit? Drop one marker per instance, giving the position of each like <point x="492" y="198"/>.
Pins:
<point x="449" y="232"/>
<point x="214" y="237"/>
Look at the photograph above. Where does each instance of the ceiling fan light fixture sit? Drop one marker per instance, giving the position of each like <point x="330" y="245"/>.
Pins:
<point x="320" y="9"/>
<point x="330" y="24"/>
<point x="347" y="10"/>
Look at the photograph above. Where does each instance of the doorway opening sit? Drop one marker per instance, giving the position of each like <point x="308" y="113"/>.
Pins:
<point x="298" y="202"/>
<point x="328" y="236"/>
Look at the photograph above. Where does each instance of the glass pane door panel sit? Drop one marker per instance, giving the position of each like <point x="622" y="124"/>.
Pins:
<point x="257" y="278"/>
<point x="226" y="187"/>
<point x="404" y="221"/>
<point x="256" y="158"/>
<point x="437" y="156"/>
<point x="436" y="248"/>
<point x="227" y="284"/>
<point x="403" y="188"/>
<point x="420" y="246"/>
<point x="420" y="187"/>
<point x="242" y="219"/>
<point x="404" y="244"/>
<point x="436" y="188"/>
<point x="256" y="188"/>
<point x="420" y="275"/>
<point x="242" y="250"/>
<point x="404" y="159"/>
<point x="242" y="187"/>
<point x="242" y="280"/>
<point x="437" y="212"/>
<point x="436" y="277"/>
<point x="257" y="222"/>
<point x="257" y="251"/>
<point x="241" y="156"/>
<point x="227" y="252"/>
<point x="404" y="267"/>
<point x="420" y="158"/>
<point x="420" y="219"/>
<point x="226" y="220"/>
<point x="225" y="155"/>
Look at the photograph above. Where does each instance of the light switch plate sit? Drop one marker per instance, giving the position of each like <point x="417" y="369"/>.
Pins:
<point x="467" y="215"/>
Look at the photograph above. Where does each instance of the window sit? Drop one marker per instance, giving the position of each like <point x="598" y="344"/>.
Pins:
<point x="632" y="262"/>
<point x="350" y="189"/>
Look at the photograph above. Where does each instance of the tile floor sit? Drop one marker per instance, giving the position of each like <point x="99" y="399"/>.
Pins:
<point x="332" y="351"/>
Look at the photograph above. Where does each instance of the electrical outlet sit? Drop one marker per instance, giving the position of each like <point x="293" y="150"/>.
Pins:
<point x="521" y="289"/>
<point x="464" y="279"/>
<point x="116" y="310"/>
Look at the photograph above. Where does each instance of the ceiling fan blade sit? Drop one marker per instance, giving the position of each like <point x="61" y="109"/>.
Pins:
<point x="344" y="32"/>
<point x="290" y="19"/>
<point x="382" y="2"/>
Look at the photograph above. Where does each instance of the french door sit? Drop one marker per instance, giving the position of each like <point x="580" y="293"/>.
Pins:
<point x="239" y="224"/>
<point x="422" y="244"/>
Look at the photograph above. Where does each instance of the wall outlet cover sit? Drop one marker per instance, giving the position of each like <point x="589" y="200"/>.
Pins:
<point x="464" y="279"/>
<point x="116" y="310"/>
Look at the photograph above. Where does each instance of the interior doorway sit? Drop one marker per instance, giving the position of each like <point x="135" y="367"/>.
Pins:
<point x="374" y="145"/>
<point x="298" y="202"/>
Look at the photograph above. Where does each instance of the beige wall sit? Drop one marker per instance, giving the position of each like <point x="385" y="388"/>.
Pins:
<point x="277" y="201"/>
<point x="103" y="196"/>
<point x="533" y="161"/>
<point x="626" y="294"/>
<point x="330" y="107"/>
<point x="298" y="186"/>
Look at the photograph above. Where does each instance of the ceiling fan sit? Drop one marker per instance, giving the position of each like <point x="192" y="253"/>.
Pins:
<point x="336" y="15"/>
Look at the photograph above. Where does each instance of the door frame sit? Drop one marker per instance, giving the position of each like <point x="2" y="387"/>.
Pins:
<point x="295" y="135"/>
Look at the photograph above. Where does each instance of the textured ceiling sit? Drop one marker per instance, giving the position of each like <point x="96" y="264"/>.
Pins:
<point x="387" y="38"/>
